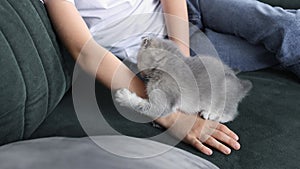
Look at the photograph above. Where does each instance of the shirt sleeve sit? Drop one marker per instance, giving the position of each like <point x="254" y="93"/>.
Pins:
<point x="72" y="1"/>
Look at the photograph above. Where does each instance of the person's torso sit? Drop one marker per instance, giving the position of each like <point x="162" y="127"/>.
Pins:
<point x="119" y="25"/>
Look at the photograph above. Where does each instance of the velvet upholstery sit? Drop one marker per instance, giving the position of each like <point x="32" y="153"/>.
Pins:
<point x="33" y="73"/>
<point x="267" y="124"/>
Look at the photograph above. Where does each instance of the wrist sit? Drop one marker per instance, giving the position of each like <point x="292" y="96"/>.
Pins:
<point x="167" y="121"/>
<point x="183" y="46"/>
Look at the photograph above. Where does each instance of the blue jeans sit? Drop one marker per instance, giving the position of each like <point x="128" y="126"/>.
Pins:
<point x="262" y="26"/>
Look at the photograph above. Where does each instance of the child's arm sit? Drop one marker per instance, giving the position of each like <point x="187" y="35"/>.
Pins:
<point x="114" y="74"/>
<point x="176" y="17"/>
<point x="94" y="59"/>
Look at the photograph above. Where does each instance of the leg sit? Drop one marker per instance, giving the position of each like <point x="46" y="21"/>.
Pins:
<point x="259" y="23"/>
<point x="232" y="50"/>
<point x="194" y="13"/>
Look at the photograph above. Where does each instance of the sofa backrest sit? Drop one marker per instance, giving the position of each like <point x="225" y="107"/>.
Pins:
<point x="33" y="71"/>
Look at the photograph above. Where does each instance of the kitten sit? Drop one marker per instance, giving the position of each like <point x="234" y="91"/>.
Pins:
<point x="191" y="85"/>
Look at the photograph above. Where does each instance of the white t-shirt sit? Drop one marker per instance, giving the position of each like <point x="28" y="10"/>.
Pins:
<point x="119" y="25"/>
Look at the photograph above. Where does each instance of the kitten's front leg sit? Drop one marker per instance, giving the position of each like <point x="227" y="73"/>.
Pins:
<point x="156" y="106"/>
<point x="129" y="99"/>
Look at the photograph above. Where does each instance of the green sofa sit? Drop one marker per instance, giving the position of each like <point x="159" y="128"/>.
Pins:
<point x="36" y="97"/>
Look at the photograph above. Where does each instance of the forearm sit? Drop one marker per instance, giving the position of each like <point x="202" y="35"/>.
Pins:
<point x="177" y="23"/>
<point x="108" y="69"/>
<point x="93" y="58"/>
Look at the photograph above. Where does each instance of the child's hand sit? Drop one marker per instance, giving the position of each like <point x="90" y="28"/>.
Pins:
<point x="202" y="133"/>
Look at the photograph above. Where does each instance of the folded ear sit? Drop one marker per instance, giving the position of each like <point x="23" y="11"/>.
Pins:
<point x="145" y="41"/>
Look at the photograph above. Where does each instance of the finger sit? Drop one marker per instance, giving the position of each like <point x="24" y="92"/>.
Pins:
<point x="219" y="135"/>
<point x="217" y="145"/>
<point x="199" y="146"/>
<point x="227" y="131"/>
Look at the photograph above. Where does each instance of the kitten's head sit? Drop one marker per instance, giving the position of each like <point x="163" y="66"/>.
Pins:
<point x="155" y="54"/>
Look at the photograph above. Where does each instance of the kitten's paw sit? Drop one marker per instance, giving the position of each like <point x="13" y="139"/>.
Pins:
<point x="123" y="97"/>
<point x="210" y="116"/>
<point x="222" y="118"/>
<point x="126" y="98"/>
<point x="226" y="118"/>
<point x="204" y="114"/>
<point x="214" y="117"/>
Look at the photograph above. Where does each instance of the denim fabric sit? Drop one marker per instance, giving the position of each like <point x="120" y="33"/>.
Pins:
<point x="194" y="13"/>
<point x="258" y="23"/>
<point x="240" y="54"/>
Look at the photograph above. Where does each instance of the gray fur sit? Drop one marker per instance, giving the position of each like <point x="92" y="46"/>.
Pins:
<point x="191" y="85"/>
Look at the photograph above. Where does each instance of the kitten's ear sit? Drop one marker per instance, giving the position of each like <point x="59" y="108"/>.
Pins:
<point x="145" y="41"/>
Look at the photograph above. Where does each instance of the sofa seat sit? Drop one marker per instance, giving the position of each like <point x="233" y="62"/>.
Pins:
<point x="268" y="123"/>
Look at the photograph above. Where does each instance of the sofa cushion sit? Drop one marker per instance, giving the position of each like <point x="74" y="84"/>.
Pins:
<point x="83" y="153"/>
<point x="33" y="73"/>
<point x="267" y="125"/>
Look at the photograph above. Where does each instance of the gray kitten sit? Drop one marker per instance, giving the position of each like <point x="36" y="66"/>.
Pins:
<point x="191" y="85"/>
